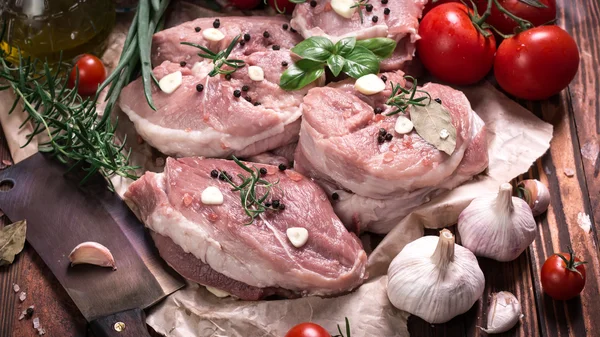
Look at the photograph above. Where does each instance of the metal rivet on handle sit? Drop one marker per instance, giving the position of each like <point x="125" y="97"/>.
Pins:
<point x="119" y="326"/>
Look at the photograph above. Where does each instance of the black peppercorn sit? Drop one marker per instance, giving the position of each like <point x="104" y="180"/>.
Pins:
<point x="242" y="43"/>
<point x="384" y="2"/>
<point x="237" y="93"/>
<point x="257" y="103"/>
<point x="382" y="132"/>
<point x="182" y="63"/>
<point x="245" y="88"/>
<point x="369" y="7"/>
<point x="197" y="29"/>
<point x="378" y="110"/>
<point x="380" y="139"/>
<point x="263" y="171"/>
<point x="276" y="47"/>
<point x="228" y="77"/>
<point x="267" y="204"/>
<point x="335" y="196"/>
<point x="275" y="203"/>
<point x="29" y="312"/>
<point x="313" y="4"/>
<point x="439" y="101"/>
<point x="293" y="30"/>
<point x="375" y="18"/>
<point x="246" y="37"/>
<point x="389" y="137"/>
<point x="222" y="175"/>
<point x="199" y="87"/>
<point x="384" y="78"/>
<point x="282" y="167"/>
<point x="248" y="98"/>
<point x="284" y="63"/>
<point x="266" y="35"/>
<point x="214" y="173"/>
<point x="285" y="26"/>
<point x="281" y="207"/>
<point x="217" y="23"/>
<point x="386" y="11"/>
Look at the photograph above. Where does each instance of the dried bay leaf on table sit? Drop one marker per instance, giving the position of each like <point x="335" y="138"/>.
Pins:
<point x="12" y="240"/>
<point x="430" y="121"/>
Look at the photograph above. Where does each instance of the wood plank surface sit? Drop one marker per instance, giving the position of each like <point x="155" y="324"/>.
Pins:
<point x="575" y="115"/>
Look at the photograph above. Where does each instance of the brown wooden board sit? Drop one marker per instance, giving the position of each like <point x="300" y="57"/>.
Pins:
<point x="575" y="115"/>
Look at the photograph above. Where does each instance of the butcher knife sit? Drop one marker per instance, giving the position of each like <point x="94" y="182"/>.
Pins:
<point x="60" y="215"/>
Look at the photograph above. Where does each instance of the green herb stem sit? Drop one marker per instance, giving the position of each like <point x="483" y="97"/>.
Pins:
<point x="402" y="98"/>
<point x="220" y="58"/>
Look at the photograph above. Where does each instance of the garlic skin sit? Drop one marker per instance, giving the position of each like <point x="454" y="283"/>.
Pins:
<point x="504" y="313"/>
<point x="536" y="194"/>
<point x="92" y="253"/>
<point x="435" y="279"/>
<point x="498" y="227"/>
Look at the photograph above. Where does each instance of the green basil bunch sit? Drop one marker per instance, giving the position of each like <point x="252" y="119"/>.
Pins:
<point x="353" y="58"/>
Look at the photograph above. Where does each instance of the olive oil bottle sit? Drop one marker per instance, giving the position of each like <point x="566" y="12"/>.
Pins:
<point x="45" y="28"/>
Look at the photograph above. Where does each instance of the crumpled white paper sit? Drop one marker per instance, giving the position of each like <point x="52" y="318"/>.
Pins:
<point x="516" y="138"/>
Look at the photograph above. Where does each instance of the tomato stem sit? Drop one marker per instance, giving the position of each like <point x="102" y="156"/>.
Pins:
<point x="479" y="21"/>
<point x="570" y="264"/>
<point x="486" y="14"/>
<point x="523" y="24"/>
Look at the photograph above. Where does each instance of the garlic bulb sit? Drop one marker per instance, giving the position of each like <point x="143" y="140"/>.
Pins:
<point x="504" y="313"/>
<point x="435" y="279"/>
<point x="536" y="194"/>
<point x="499" y="226"/>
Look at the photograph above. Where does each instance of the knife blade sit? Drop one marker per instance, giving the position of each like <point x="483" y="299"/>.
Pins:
<point x="60" y="215"/>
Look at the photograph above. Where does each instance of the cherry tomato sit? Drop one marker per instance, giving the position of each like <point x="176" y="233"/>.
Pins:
<point x="307" y="330"/>
<point x="451" y="48"/>
<point x="245" y="4"/>
<point x="91" y="74"/>
<point x="563" y="276"/>
<point x="284" y="6"/>
<point x="506" y="25"/>
<point x="430" y="5"/>
<point x="537" y="63"/>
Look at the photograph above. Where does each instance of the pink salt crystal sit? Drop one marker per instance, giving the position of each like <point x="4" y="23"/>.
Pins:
<point x="213" y="217"/>
<point x="187" y="199"/>
<point x="293" y="175"/>
<point x="388" y="157"/>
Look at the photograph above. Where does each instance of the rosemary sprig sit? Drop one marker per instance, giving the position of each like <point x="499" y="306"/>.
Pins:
<point x="360" y="4"/>
<point x="66" y="120"/>
<point x="402" y="98"/>
<point x="347" y="329"/>
<point x="221" y="58"/>
<point x="254" y="191"/>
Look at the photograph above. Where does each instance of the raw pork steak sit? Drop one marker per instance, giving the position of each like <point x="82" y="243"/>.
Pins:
<point x="249" y="261"/>
<point x="378" y="184"/>
<point x="401" y="25"/>
<point x="213" y="122"/>
<point x="166" y="44"/>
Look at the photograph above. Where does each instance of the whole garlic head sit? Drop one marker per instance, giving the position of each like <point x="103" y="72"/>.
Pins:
<point x="504" y="312"/>
<point x="499" y="226"/>
<point x="435" y="279"/>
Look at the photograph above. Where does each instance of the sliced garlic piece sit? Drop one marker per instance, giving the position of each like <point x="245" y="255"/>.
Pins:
<point x="403" y="125"/>
<point x="256" y="73"/>
<point x="344" y="8"/>
<point x="211" y="196"/>
<point x="171" y="82"/>
<point x="218" y="292"/>
<point x="212" y="34"/>
<point x="297" y="236"/>
<point x="92" y="253"/>
<point x="369" y="84"/>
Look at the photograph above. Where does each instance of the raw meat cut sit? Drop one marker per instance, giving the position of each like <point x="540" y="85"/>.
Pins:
<point x="401" y="25"/>
<point x="378" y="184"/>
<point x="213" y="122"/>
<point x="166" y="44"/>
<point x="249" y="261"/>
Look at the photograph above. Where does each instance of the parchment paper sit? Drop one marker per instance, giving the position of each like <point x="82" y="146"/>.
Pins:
<point x="516" y="138"/>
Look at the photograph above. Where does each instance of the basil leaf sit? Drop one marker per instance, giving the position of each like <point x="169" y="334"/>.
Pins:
<point x="361" y="62"/>
<point x="434" y="124"/>
<point x="301" y="74"/>
<point x="382" y="47"/>
<point x="344" y="46"/>
<point x="336" y="64"/>
<point x="534" y="3"/>
<point x="315" y="48"/>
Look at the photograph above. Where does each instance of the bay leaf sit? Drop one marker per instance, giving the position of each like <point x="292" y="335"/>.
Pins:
<point x="430" y="121"/>
<point x="12" y="240"/>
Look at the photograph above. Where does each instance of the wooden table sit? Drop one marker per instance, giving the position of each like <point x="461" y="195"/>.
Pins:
<point x="575" y="114"/>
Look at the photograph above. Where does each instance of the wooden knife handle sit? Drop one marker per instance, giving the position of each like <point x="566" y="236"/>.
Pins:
<point x="129" y="323"/>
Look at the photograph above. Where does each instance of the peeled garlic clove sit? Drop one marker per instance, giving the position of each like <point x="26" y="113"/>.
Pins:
<point x="171" y="82"/>
<point x="497" y="226"/>
<point x="92" y="253"/>
<point x="504" y="313"/>
<point x="212" y="34"/>
<point x="370" y="84"/>
<point x="536" y="194"/>
<point x="344" y="8"/>
<point x="435" y="279"/>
